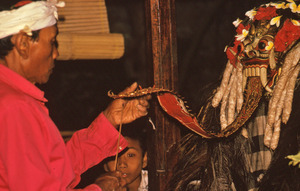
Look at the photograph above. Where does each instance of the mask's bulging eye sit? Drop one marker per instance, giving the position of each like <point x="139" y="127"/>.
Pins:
<point x="262" y="44"/>
<point x="265" y="45"/>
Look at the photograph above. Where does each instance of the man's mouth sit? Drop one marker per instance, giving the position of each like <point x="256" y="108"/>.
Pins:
<point x="124" y="175"/>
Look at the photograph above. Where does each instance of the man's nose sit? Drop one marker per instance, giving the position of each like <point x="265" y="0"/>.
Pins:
<point x="55" y="53"/>
<point x="122" y="163"/>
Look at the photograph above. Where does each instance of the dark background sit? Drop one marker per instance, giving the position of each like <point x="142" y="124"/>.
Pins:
<point x="77" y="90"/>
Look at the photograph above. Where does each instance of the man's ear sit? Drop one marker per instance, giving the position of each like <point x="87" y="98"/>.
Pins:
<point x="105" y="167"/>
<point x="22" y="44"/>
<point x="145" y="160"/>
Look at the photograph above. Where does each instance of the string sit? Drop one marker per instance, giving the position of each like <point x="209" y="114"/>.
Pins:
<point x="118" y="144"/>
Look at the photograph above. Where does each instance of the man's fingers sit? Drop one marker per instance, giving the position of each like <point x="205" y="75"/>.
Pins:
<point x="144" y="103"/>
<point x="142" y="110"/>
<point x="108" y="182"/>
<point x="122" y="181"/>
<point x="129" y="89"/>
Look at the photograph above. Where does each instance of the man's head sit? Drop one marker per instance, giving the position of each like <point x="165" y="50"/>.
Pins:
<point x="130" y="163"/>
<point x="35" y="58"/>
<point x="28" y="43"/>
<point x="134" y="159"/>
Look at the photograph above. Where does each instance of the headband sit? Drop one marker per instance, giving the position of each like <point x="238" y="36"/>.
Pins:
<point x="30" y="17"/>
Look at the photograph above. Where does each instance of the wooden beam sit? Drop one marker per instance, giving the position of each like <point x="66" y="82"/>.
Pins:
<point x="162" y="56"/>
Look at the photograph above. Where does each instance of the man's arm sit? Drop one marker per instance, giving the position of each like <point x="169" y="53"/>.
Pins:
<point x="88" y="147"/>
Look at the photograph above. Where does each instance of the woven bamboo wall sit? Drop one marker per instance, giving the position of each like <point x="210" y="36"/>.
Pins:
<point x="84" y="32"/>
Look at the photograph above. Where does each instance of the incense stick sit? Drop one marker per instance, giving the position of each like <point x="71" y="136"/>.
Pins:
<point x="118" y="145"/>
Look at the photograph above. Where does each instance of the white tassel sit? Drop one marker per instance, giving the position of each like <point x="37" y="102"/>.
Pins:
<point x="239" y="89"/>
<point x="224" y="103"/>
<point x="290" y="61"/>
<point x="276" y="135"/>
<point x="232" y="100"/>
<point x="289" y="95"/>
<point x="218" y="96"/>
<point x="268" y="135"/>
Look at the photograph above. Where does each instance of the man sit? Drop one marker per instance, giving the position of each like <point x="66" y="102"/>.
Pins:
<point x="33" y="155"/>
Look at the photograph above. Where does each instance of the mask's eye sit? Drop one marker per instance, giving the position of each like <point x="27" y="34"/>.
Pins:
<point x="262" y="44"/>
<point x="265" y="45"/>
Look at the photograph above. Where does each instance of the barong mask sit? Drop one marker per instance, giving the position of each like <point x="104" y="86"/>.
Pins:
<point x="263" y="60"/>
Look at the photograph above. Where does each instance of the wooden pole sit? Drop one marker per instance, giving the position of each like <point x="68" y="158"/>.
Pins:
<point x="162" y="56"/>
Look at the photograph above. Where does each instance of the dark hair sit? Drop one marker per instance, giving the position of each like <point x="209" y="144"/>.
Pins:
<point x="6" y="45"/>
<point x="137" y="130"/>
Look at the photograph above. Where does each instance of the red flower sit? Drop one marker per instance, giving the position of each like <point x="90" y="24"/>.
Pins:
<point x="21" y="3"/>
<point x="232" y="52"/>
<point x="265" y="13"/>
<point x="239" y="29"/>
<point x="287" y="34"/>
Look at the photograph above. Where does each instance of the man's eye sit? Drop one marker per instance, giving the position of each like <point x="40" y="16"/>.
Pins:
<point x="55" y="43"/>
<point x="131" y="155"/>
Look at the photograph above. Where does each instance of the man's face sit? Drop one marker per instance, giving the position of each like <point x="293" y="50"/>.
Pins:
<point x="130" y="163"/>
<point x="42" y="53"/>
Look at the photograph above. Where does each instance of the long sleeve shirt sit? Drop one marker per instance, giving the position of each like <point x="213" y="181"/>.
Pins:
<point x="33" y="155"/>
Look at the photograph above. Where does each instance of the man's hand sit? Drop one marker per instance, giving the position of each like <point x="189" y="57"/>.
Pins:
<point x="111" y="181"/>
<point x="127" y="110"/>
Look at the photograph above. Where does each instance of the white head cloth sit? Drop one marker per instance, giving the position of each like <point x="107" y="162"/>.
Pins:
<point x="30" y="17"/>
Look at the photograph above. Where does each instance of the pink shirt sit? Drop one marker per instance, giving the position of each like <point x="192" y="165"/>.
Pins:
<point x="33" y="155"/>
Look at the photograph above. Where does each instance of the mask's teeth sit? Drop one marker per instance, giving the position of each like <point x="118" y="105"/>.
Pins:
<point x="253" y="71"/>
<point x="262" y="72"/>
<point x="257" y="71"/>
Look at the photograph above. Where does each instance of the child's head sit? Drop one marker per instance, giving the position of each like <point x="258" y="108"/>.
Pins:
<point x="134" y="158"/>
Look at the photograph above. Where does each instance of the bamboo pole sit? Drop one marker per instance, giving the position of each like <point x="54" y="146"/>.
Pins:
<point x="79" y="24"/>
<point x="81" y="16"/>
<point x="90" y="46"/>
<point x="87" y="29"/>
<point x="74" y="1"/>
<point x="84" y="32"/>
<point x="78" y="10"/>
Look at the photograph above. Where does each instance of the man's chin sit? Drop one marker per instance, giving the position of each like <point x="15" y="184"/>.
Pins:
<point x="44" y="80"/>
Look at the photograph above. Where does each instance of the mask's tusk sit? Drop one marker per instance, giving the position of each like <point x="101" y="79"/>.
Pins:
<point x="264" y="80"/>
<point x="272" y="61"/>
